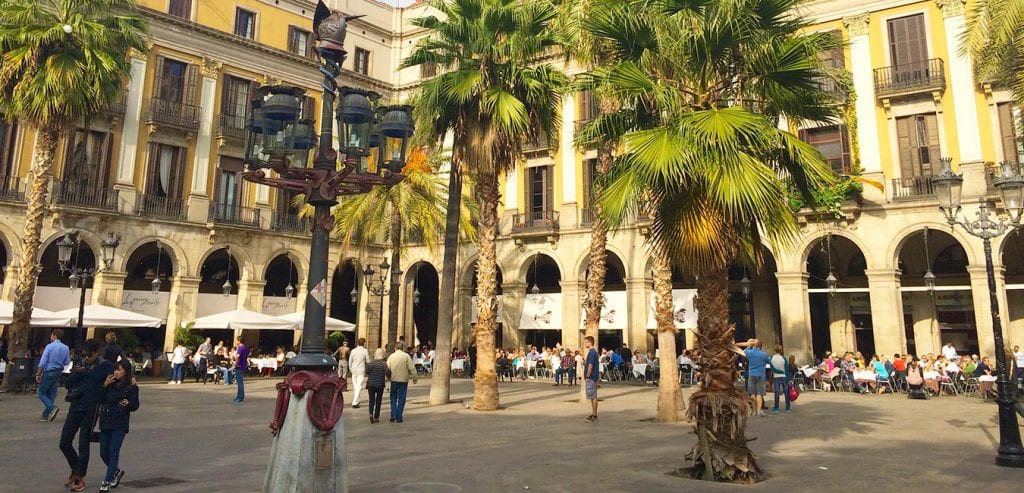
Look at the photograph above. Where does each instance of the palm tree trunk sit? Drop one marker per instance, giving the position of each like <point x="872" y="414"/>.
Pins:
<point x="718" y="407"/>
<point x="38" y="181"/>
<point x="671" y="407"/>
<point x="485" y="383"/>
<point x="598" y="266"/>
<point x="440" y="388"/>
<point x="395" y="235"/>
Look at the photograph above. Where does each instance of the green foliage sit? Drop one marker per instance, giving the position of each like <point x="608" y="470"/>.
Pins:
<point x="183" y="335"/>
<point x="995" y="40"/>
<point x="335" y="338"/>
<point x="827" y="200"/>
<point x="128" y="339"/>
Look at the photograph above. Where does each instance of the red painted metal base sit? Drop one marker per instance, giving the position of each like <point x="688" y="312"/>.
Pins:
<point x="325" y="404"/>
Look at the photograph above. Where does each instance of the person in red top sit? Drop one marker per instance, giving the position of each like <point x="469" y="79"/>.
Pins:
<point x="899" y="363"/>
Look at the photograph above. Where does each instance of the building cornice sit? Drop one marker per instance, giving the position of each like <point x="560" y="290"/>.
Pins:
<point x="833" y="10"/>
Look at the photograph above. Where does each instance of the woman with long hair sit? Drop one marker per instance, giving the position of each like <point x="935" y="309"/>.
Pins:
<point x="119" y="399"/>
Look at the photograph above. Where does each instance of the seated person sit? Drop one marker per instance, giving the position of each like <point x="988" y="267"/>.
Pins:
<point x="848" y="366"/>
<point x="983" y="372"/>
<point x="881" y="373"/>
<point x="616" y="359"/>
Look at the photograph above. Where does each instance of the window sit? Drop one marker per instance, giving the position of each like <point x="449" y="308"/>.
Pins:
<point x="87" y="160"/>
<point x="1009" y="133"/>
<point x="300" y="42"/>
<point x="173" y="77"/>
<point x="540" y="192"/>
<point x="834" y="143"/>
<point x="180" y="8"/>
<point x="362" y="61"/>
<point x="918" y="144"/>
<point x="229" y="182"/>
<point x="586" y="106"/>
<point x="589" y="174"/>
<point x="908" y="45"/>
<point x="8" y="133"/>
<point x="428" y="70"/>
<point x="235" y="101"/>
<point x="245" y="23"/>
<point x="165" y="175"/>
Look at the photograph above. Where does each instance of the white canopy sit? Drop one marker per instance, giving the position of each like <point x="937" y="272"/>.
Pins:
<point x="40" y="317"/>
<point x="242" y="320"/>
<point x="105" y="316"/>
<point x="332" y="323"/>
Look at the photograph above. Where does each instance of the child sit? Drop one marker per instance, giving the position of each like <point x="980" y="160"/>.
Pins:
<point x="120" y="399"/>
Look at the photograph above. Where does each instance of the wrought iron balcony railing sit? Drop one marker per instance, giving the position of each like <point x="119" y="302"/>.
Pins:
<point x="10" y="189"/>
<point x="231" y="127"/>
<point x="912" y="188"/>
<point x="234" y="215"/>
<point x="173" y="113"/>
<point x="535" y="222"/>
<point x="910" y="78"/>
<point x="101" y="198"/>
<point x="160" y="207"/>
<point x="288" y="223"/>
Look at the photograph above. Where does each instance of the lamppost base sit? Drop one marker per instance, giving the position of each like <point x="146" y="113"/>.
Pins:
<point x="311" y="362"/>
<point x="1010" y="460"/>
<point x="308" y="454"/>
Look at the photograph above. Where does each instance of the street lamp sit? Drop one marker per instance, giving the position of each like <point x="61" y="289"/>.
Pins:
<point x="381" y="288"/>
<point x="226" y="287"/>
<point x="155" y="285"/>
<point x="745" y="285"/>
<point x="79" y="277"/>
<point x="278" y="140"/>
<point x="1010" y="184"/>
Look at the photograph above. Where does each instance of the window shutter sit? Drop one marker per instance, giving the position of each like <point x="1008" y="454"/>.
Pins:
<point x="549" y="191"/>
<point x="158" y="77"/>
<point x="227" y="97"/>
<point x="250" y="95"/>
<point x="106" y="155"/>
<point x="292" y="46"/>
<point x="308" y="107"/>
<point x="1007" y="136"/>
<point x="178" y="173"/>
<point x="931" y="125"/>
<point x="151" y="169"/>
<point x="191" y="81"/>
<point x="906" y="137"/>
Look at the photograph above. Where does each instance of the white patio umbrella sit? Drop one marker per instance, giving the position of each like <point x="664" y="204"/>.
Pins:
<point x="332" y="323"/>
<point x="40" y="317"/>
<point x="242" y="320"/>
<point x="107" y="316"/>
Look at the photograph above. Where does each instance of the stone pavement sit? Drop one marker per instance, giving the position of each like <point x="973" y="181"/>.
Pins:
<point x="191" y="438"/>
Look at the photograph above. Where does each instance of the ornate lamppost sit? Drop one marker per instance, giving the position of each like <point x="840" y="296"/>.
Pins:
<point x="381" y="289"/>
<point x="79" y="277"/>
<point x="309" y="450"/>
<point x="1010" y="184"/>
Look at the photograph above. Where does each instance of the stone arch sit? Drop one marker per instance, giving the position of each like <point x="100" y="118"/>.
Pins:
<point x="210" y="278"/>
<point x="13" y="248"/>
<point x="810" y="242"/>
<point x="424" y="278"/>
<point x="285" y="274"/>
<point x="142" y="265"/>
<point x="524" y="264"/>
<point x="584" y="257"/>
<point x="173" y="249"/>
<point x="300" y="261"/>
<point x="900" y="238"/>
<point x="240" y="254"/>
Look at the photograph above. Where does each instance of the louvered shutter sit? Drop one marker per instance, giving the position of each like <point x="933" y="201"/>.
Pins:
<point x="178" y="174"/>
<point x="906" y="136"/>
<point x="158" y="78"/>
<point x="931" y="125"/>
<point x="1007" y="134"/>
<point x="549" y="191"/>
<point x="190" y="84"/>
<point x="308" y="107"/>
<point x="292" y="42"/>
<point x="152" y="167"/>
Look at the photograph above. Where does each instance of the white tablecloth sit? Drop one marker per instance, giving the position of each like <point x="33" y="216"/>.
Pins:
<point x="640" y="370"/>
<point x="458" y="364"/>
<point x="3" y="366"/>
<point x="931" y="375"/>
<point x="863" y="375"/>
<point x="262" y="363"/>
<point x="809" y="372"/>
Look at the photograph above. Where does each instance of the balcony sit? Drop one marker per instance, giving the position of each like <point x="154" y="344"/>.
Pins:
<point x="231" y="127"/>
<point x="234" y="215"/>
<point x="119" y="105"/>
<point x="100" y="198"/>
<point x="912" y="188"/>
<point x="535" y="223"/>
<point x="910" y="78"/>
<point x="833" y="88"/>
<point x="537" y="144"/>
<point x="587" y="217"/>
<point x="288" y="223"/>
<point x="10" y="189"/>
<point x="173" y="114"/>
<point x="160" y="207"/>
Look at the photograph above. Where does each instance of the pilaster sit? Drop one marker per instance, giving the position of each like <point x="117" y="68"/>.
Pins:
<point x="886" y="311"/>
<point x="961" y="81"/>
<point x="199" y="197"/>
<point x="462" y="325"/>
<point x="108" y="288"/>
<point x="982" y="309"/>
<point x="250" y="294"/>
<point x="513" y="297"/>
<point x="638" y="292"/>
<point x="864" y="86"/>
<point x="795" y="315"/>
<point x="926" y="327"/>
<point x="840" y="326"/>
<point x="568" y="149"/>
<point x="184" y="297"/>
<point x="130" y="126"/>
<point x="572" y="312"/>
<point x="765" y="314"/>
<point x="10" y="280"/>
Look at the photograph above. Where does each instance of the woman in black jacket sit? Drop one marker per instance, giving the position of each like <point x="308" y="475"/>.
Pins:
<point x="376" y="372"/>
<point x="120" y="399"/>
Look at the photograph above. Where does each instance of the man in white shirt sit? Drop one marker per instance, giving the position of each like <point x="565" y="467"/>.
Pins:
<point x="950" y="352"/>
<point x="357" y="360"/>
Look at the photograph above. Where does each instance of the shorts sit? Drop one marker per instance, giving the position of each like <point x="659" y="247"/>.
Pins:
<point x="755" y="385"/>
<point x="591" y="389"/>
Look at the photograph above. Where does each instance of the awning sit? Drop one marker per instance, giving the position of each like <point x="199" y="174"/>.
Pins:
<point x="40" y="317"/>
<point x="614" y="314"/>
<point x="106" y="316"/>
<point x="332" y="323"/>
<point x="542" y="312"/>
<point x="683" y="313"/>
<point x="242" y="320"/>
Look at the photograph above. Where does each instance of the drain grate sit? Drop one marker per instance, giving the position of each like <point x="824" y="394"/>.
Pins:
<point x="152" y="482"/>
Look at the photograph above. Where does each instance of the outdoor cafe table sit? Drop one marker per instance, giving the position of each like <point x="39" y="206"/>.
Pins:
<point x="262" y="363"/>
<point x="640" y="370"/>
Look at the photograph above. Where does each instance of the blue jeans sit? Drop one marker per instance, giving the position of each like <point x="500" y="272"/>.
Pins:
<point x="48" y="390"/>
<point x="110" y="450"/>
<point x="240" y="377"/>
<point x="780" y="386"/>
<point x="228" y="375"/>
<point x="398" y="391"/>
<point x="177" y="371"/>
<point x="77" y="422"/>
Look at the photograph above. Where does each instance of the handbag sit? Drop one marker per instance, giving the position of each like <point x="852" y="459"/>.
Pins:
<point x="94" y="433"/>
<point x="794" y="392"/>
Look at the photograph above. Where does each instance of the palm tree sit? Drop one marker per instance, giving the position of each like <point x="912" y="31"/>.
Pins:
<point x="491" y="96"/>
<point x="995" y="39"/>
<point x="61" y="61"/>
<point x="703" y="86"/>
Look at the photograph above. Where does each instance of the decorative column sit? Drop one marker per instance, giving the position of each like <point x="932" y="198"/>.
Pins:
<point x="512" y="299"/>
<point x="926" y="327"/>
<point x="982" y="316"/>
<point x="11" y="272"/>
<point x="569" y="216"/>
<point x="840" y="327"/>
<point x="182" y="309"/>
<point x="462" y="323"/>
<point x="886" y="311"/>
<point x="108" y="288"/>
<point x="250" y="297"/>
<point x="199" y="197"/>
<point x="864" y="86"/>
<point x="125" y="180"/>
<point x="795" y="315"/>
<point x="961" y="82"/>
<point x="572" y="312"/>
<point x="638" y="302"/>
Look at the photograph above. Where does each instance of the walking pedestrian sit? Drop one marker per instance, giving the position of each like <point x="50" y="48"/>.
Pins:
<point x="241" y="366"/>
<point x="55" y="358"/>
<point x="357" y="361"/>
<point x="780" y="378"/>
<point x="120" y="399"/>
<point x="757" y="360"/>
<point x="178" y="359"/>
<point x="401" y="369"/>
<point x="376" y="372"/>
<point x="204" y="352"/>
<point x="343" y="354"/>
<point x="85" y="386"/>
<point x="591" y="373"/>
<point x="112" y="352"/>
<point x="472" y="360"/>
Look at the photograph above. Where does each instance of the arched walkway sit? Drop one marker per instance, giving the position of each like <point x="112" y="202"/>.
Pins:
<point x="422" y="289"/>
<point x="541" y="320"/>
<point x="840" y="316"/>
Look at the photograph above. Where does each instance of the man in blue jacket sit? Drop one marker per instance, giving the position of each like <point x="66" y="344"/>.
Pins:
<point x="55" y="358"/>
<point x="85" y="386"/>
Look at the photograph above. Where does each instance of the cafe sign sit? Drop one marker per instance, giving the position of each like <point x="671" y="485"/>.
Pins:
<point x="146" y="303"/>
<point x="278" y="305"/>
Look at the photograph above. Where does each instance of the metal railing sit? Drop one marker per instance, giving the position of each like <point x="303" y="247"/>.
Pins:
<point x="535" y="221"/>
<point x="288" y="223"/>
<point x="162" y="207"/>
<point x="234" y="214"/>
<point x="913" y="187"/>
<point x="910" y="77"/>
<point x="83" y="196"/>
<point x="587" y="216"/>
<point x="537" y="143"/>
<point x="10" y="189"/>
<point x="829" y="85"/>
<point x="231" y="126"/>
<point x="119" y="105"/>
<point x="173" y="113"/>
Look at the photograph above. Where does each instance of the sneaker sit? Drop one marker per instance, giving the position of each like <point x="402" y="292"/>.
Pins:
<point x="77" y="485"/>
<point x="355" y="406"/>
<point x="171" y="382"/>
<point x="117" y="478"/>
<point x="392" y="420"/>
<point x="592" y="418"/>
<point x="788" y="411"/>
<point x="44" y="419"/>
<point x="53" y="414"/>
<point x="104" y="486"/>
<point x="775" y="411"/>
<point x="71" y="479"/>
<point x="761" y="414"/>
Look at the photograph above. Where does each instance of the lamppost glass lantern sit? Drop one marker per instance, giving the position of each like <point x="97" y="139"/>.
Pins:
<point x="275" y="132"/>
<point x="745" y="285"/>
<point x="929" y="281"/>
<point x="304" y="141"/>
<point x="258" y="125"/>
<point x="831" y="283"/>
<point x="947" y="186"/>
<point x="354" y="295"/>
<point x="355" y="119"/>
<point x="74" y="280"/>
<point x="289" y="290"/>
<point x="226" y="287"/>
<point x="416" y="296"/>
<point x="396" y="128"/>
<point x="64" y="247"/>
<point x="367" y="277"/>
<point x="155" y="285"/>
<point x="109" y="246"/>
<point x="1011" y="189"/>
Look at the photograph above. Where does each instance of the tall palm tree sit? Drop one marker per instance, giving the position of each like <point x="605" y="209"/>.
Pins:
<point x="995" y="39"/>
<point x="703" y="90"/>
<point x="492" y="96"/>
<point x="61" y="61"/>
